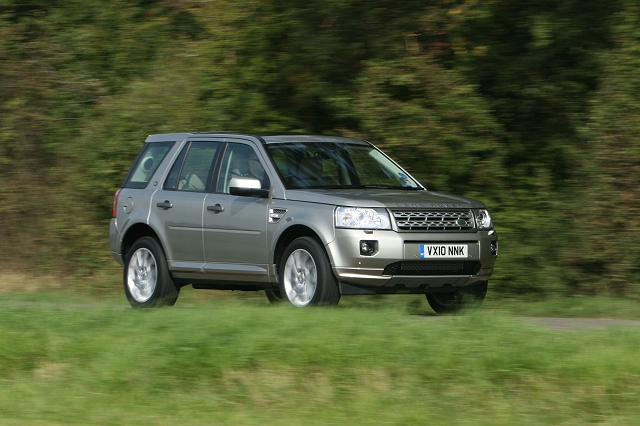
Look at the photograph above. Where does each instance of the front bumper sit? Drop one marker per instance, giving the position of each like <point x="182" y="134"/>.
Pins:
<point x="396" y="267"/>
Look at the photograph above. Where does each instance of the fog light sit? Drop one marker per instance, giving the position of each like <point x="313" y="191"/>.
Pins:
<point x="368" y="247"/>
<point x="494" y="248"/>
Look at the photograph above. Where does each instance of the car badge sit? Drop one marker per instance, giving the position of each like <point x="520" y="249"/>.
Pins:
<point x="461" y="222"/>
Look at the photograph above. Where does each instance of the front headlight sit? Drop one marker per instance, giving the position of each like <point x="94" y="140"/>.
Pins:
<point x="362" y="218"/>
<point x="483" y="220"/>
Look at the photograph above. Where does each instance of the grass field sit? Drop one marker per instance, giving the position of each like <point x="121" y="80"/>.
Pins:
<point x="67" y="359"/>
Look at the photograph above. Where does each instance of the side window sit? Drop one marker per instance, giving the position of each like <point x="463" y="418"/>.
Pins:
<point x="170" y="183"/>
<point x="146" y="164"/>
<point x="241" y="161"/>
<point x="193" y="167"/>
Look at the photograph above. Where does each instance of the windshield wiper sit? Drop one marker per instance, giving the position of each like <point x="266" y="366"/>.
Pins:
<point x="358" y="187"/>
<point x="383" y="187"/>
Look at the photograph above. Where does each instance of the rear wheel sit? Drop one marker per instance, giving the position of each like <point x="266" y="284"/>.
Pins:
<point x="448" y="303"/>
<point x="305" y="276"/>
<point x="147" y="281"/>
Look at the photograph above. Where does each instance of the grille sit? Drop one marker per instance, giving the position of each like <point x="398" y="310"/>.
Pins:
<point x="445" y="267"/>
<point x="424" y="220"/>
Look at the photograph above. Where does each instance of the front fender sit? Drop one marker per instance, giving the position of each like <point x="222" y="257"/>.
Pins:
<point x="317" y="217"/>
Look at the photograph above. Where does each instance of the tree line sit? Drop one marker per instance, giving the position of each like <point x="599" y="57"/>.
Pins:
<point x="531" y="107"/>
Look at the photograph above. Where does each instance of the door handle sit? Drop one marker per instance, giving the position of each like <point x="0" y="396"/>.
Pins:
<point x="216" y="209"/>
<point x="165" y="205"/>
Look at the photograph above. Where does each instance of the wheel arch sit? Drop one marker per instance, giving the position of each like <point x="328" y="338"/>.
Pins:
<point x="134" y="233"/>
<point x="289" y="235"/>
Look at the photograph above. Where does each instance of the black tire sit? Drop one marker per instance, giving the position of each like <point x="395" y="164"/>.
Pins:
<point x="303" y="263"/>
<point x="274" y="296"/>
<point x="466" y="298"/>
<point x="147" y="280"/>
<point x="445" y="303"/>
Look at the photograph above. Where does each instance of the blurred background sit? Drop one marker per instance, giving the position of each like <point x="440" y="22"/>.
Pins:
<point x="532" y="107"/>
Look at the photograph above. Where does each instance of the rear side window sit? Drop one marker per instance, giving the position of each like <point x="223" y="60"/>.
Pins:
<point x="192" y="170"/>
<point x="146" y="164"/>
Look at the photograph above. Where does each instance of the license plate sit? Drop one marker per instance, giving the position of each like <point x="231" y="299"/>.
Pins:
<point x="443" y="251"/>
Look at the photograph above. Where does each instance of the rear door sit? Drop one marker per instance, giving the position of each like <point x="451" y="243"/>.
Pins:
<point x="179" y="204"/>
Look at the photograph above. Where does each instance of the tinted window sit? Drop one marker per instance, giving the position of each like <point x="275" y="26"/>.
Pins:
<point x="146" y="164"/>
<point x="337" y="165"/>
<point x="241" y="160"/>
<point x="170" y="183"/>
<point x="192" y="169"/>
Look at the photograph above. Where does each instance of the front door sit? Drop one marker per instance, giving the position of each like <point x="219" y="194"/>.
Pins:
<point x="235" y="227"/>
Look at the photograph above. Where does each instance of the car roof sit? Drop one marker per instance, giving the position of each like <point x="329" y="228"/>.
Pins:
<point x="310" y="138"/>
<point x="268" y="139"/>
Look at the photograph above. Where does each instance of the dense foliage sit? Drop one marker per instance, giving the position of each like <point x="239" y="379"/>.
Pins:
<point x="530" y="106"/>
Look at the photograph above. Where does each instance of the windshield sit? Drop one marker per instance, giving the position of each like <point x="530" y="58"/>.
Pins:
<point x="323" y="165"/>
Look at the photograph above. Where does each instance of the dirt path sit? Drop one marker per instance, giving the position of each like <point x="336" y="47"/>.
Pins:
<point x="575" y="324"/>
<point x="551" y="323"/>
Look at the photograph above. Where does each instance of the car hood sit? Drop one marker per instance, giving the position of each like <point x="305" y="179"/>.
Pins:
<point x="381" y="198"/>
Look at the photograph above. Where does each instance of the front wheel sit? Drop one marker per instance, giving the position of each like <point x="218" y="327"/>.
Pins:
<point x="449" y="303"/>
<point x="147" y="281"/>
<point x="274" y="296"/>
<point x="305" y="276"/>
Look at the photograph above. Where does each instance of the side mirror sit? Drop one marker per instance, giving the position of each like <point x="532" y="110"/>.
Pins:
<point x="247" y="187"/>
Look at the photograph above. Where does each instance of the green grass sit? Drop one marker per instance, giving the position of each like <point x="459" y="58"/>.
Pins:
<point x="236" y="360"/>
<point x="569" y="307"/>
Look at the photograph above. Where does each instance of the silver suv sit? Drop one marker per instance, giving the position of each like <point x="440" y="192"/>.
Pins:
<point x="305" y="218"/>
